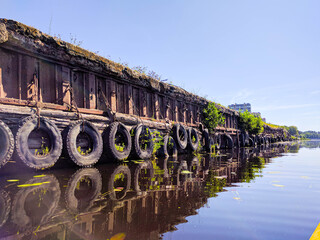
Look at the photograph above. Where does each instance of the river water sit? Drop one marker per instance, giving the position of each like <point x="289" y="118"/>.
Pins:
<point x="267" y="193"/>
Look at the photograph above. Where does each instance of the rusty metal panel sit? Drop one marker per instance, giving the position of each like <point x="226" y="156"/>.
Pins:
<point x="92" y="91"/>
<point x="9" y="76"/>
<point x="136" y="101"/>
<point x="150" y="105"/>
<point x="77" y="83"/>
<point x="66" y="83"/>
<point x="47" y="83"/>
<point x="120" y="98"/>
<point x="101" y="89"/>
<point x="162" y="107"/>
<point x="130" y="100"/>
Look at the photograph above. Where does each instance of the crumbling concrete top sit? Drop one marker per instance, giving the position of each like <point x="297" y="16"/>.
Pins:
<point x="26" y="38"/>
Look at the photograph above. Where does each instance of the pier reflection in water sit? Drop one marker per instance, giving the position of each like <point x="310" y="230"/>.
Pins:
<point x="141" y="199"/>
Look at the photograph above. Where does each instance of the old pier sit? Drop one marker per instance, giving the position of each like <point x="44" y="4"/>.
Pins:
<point x="57" y="99"/>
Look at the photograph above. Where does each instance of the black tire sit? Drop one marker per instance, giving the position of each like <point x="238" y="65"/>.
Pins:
<point x="26" y="213"/>
<point x="208" y="143"/>
<point x="51" y="143"/>
<point x="7" y="143"/>
<point x="121" y="184"/>
<point x="142" y="138"/>
<point x="169" y="147"/>
<point x="83" y="189"/>
<point x="217" y="140"/>
<point x="180" y="136"/>
<point x="5" y="207"/>
<point x="193" y="139"/>
<point x="122" y="133"/>
<point x="84" y="143"/>
<point x="144" y="172"/>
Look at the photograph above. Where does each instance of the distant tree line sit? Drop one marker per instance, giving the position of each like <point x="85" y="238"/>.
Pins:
<point x="310" y="134"/>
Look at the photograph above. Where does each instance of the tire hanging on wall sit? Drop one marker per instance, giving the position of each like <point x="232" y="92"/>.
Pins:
<point x="83" y="188"/>
<point x="208" y="141"/>
<point x="180" y="136"/>
<point x="84" y="143"/>
<point x="5" y="207"/>
<point x="27" y="214"/>
<point x="142" y="142"/>
<point x="116" y="134"/>
<point x="169" y="147"/>
<point x="38" y="142"/>
<point x="193" y="139"/>
<point x="7" y="143"/>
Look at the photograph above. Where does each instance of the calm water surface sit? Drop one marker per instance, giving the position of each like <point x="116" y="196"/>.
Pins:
<point x="267" y="193"/>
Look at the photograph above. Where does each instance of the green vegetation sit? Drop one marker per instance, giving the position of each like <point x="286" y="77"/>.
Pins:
<point x="310" y="134"/>
<point x="83" y="153"/>
<point x="251" y="123"/>
<point x="212" y="117"/>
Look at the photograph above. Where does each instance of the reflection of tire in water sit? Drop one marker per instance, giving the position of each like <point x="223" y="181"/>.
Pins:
<point x="36" y="202"/>
<point x="194" y="166"/>
<point x="119" y="182"/>
<point x="180" y="176"/>
<point x="83" y="188"/>
<point x="142" y="175"/>
<point x="5" y="207"/>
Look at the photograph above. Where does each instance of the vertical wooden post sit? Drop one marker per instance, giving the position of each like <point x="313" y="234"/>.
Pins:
<point x="65" y="75"/>
<point x="19" y="75"/>
<point x="185" y="113"/>
<point x="92" y="91"/>
<point x="129" y="211"/>
<point x="157" y="106"/>
<point x="110" y="221"/>
<point x="1" y="84"/>
<point x="176" y="110"/>
<point x="144" y="103"/>
<point x="130" y="100"/>
<point x="113" y="96"/>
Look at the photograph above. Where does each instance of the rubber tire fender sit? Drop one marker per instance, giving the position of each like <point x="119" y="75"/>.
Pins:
<point x="5" y="207"/>
<point x="29" y="124"/>
<point x="75" y="204"/>
<point x="126" y="171"/>
<point x="193" y="133"/>
<point x="71" y="143"/>
<point x="207" y="140"/>
<point x="20" y="216"/>
<point x="7" y="143"/>
<point x="137" y="151"/>
<point x="164" y="149"/>
<point x="109" y="138"/>
<point x="181" y="143"/>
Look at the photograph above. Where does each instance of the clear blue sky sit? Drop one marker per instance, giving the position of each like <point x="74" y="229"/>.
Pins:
<point x="265" y="52"/>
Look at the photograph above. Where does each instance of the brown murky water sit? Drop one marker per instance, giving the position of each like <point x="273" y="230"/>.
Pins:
<point x="266" y="193"/>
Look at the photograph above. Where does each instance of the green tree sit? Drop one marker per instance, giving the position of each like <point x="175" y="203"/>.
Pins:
<point x="293" y="130"/>
<point x="249" y="122"/>
<point x="212" y="117"/>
